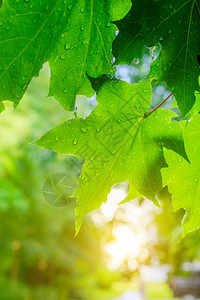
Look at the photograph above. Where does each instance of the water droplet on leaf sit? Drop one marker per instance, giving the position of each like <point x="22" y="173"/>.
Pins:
<point x="75" y="142"/>
<point x="67" y="46"/>
<point x="84" y="129"/>
<point x="65" y="91"/>
<point x="62" y="56"/>
<point x="82" y="177"/>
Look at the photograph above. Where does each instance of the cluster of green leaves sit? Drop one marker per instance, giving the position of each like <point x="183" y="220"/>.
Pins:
<point x="120" y="141"/>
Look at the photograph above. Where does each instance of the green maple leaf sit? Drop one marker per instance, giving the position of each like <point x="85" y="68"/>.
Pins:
<point x="118" y="143"/>
<point x="85" y="48"/>
<point x="32" y="32"/>
<point x="176" y="23"/>
<point x="183" y="177"/>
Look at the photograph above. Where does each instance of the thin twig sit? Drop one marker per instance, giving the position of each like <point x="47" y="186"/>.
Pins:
<point x="159" y="105"/>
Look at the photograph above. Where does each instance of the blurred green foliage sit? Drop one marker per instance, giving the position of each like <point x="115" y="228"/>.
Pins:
<point x="39" y="256"/>
<point x="170" y="248"/>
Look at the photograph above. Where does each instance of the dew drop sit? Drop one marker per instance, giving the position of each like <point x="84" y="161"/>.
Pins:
<point x="97" y="51"/>
<point x="84" y="129"/>
<point x="57" y="138"/>
<point x="179" y="159"/>
<point x="165" y="68"/>
<point x="82" y="177"/>
<point x="4" y="87"/>
<point x="196" y="179"/>
<point x="82" y="10"/>
<point x="108" y="24"/>
<point x="75" y="142"/>
<point x="69" y="7"/>
<point x="65" y="91"/>
<point x="85" y="42"/>
<point x="82" y="28"/>
<point x="113" y="152"/>
<point x="47" y="7"/>
<point x="67" y="46"/>
<point x="62" y="56"/>
<point x="98" y="129"/>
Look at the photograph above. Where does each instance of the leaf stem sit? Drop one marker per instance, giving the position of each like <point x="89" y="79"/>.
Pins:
<point x="159" y="105"/>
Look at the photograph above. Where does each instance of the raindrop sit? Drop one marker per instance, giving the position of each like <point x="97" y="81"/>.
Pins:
<point x="75" y="142"/>
<point x="57" y="138"/>
<point x="97" y="51"/>
<point x="179" y="159"/>
<point x="69" y="6"/>
<point x="82" y="177"/>
<point x="62" y="56"/>
<point x="113" y="152"/>
<point x="47" y="7"/>
<point x="84" y="129"/>
<point x="67" y="46"/>
<point x="82" y="10"/>
<point x="108" y="24"/>
<point x="196" y="179"/>
<point x="82" y="28"/>
<point x="98" y="129"/>
<point x="85" y="42"/>
<point x="65" y="91"/>
<point x="165" y="68"/>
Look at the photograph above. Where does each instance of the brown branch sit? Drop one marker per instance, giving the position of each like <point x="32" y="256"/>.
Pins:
<point x="159" y="105"/>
